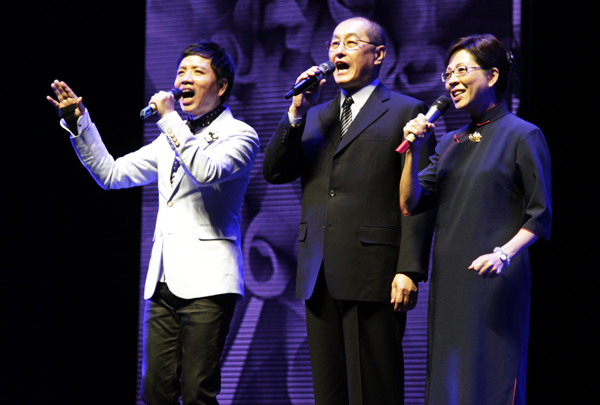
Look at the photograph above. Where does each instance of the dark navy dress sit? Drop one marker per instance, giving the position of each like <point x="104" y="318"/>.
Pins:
<point x="485" y="190"/>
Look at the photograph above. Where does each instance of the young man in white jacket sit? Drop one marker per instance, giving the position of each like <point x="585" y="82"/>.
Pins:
<point x="202" y="166"/>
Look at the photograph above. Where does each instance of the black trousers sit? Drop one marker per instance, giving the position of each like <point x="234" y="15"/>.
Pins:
<point x="355" y="350"/>
<point x="183" y="343"/>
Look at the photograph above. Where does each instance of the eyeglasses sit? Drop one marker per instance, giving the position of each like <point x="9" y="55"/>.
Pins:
<point x="350" y="44"/>
<point x="458" y="72"/>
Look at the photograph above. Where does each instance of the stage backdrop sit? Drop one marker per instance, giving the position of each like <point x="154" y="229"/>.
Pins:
<point x="272" y="41"/>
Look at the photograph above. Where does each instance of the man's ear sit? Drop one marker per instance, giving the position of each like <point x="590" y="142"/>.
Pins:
<point x="223" y="83"/>
<point x="380" y="54"/>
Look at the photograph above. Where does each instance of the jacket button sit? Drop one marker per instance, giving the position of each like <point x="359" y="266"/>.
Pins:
<point x="332" y="193"/>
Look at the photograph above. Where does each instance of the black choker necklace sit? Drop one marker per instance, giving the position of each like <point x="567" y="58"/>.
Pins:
<point x="204" y="120"/>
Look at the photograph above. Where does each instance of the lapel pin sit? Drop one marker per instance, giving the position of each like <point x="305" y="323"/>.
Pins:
<point x="210" y="137"/>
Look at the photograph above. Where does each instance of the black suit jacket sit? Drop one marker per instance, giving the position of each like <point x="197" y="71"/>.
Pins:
<point x="351" y="219"/>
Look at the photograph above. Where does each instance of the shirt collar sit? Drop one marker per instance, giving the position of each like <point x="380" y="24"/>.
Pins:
<point x="361" y="96"/>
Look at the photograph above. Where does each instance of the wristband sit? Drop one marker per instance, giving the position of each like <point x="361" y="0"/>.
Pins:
<point x="68" y="114"/>
<point x="67" y="110"/>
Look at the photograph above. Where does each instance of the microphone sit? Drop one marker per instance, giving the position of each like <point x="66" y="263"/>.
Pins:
<point x="439" y="107"/>
<point x="325" y="70"/>
<point x="151" y="109"/>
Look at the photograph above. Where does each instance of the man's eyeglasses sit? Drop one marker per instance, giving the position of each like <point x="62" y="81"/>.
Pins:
<point x="458" y="72"/>
<point x="349" y="43"/>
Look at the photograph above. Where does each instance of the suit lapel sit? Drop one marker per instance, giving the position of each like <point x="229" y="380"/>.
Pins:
<point x="373" y="109"/>
<point x="200" y="135"/>
<point x="330" y="121"/>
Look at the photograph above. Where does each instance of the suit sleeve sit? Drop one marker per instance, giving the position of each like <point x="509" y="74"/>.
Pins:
<point x="134" y="169"/>
<point x="230" y="157"/>
<point x="284" y="154"/>
<point x="417" y="230"/>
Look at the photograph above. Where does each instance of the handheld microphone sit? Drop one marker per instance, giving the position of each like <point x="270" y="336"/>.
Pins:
<point x="325" y="70"/>
<point x="439" y="107"/>
<point x="151" y="109"/>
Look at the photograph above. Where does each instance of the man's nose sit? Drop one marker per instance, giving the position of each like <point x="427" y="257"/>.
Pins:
<point x="341" y="50"/>
<point x="186" y="78"/>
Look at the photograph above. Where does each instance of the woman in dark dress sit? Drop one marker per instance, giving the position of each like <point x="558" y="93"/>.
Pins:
<point x="490" y="182"/>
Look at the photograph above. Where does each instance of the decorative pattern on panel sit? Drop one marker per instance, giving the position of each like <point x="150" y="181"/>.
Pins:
<point x="272" y="42"/>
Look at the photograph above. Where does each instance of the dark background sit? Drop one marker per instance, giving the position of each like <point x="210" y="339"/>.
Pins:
<point x="70" y="311"/>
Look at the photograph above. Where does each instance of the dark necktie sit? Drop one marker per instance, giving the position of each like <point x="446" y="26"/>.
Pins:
<point x="346" y="114"/>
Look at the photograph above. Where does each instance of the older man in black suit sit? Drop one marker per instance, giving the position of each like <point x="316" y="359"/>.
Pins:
<point x="359" y="258"/>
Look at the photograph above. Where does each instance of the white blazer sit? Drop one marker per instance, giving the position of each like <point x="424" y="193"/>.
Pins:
<point x="197" y="237"/>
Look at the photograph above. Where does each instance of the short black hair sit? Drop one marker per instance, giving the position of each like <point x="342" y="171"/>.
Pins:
<point x="489" y="53"/>
<point x="220" y="61"/>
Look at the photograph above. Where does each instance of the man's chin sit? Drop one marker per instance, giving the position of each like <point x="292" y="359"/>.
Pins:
<point x="348" y="86"/>
<point x="339" y="79"/>
<point x="188" y="109"/>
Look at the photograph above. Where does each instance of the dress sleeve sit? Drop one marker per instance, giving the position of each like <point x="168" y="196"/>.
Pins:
<point x="428" y="182"/>
<point x="534" y="166"/>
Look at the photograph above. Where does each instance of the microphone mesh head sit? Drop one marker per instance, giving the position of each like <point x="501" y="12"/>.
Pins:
<point x="442" y="103"/>
<point x="176" y="92"/>
<point x="327" y="67"/>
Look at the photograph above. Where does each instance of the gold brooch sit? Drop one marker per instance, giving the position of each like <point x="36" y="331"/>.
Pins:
<point x="210" y="137"/>
<point x="475" y="137"/>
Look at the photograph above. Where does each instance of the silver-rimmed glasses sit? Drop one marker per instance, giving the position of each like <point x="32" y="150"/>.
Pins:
<point x="458" y="72"/>
<point x="349" y="43"/>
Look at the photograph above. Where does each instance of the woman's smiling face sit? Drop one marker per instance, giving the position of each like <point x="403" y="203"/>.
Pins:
<point x="473" y="92"/>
